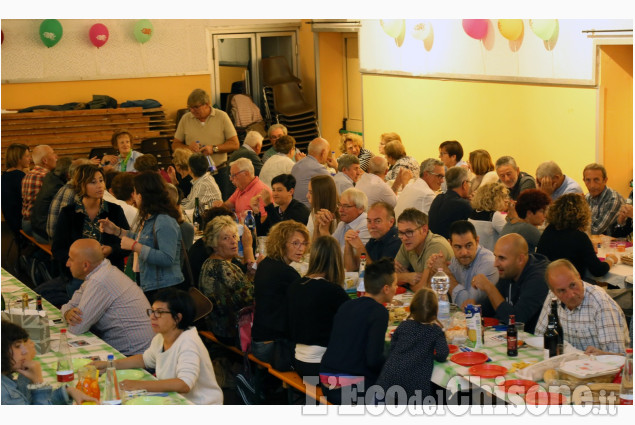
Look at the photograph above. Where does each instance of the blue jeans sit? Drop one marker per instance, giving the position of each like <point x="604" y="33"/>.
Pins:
<point x="262" y="350"/>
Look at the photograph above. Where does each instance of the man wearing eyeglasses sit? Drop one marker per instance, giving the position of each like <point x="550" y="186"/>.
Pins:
<point x="352" y="207"/>
<point x="206" y="129"/>
<point x="418" y="244"/>
<point x="108" y="303"/>
<point x="241" y="173"/>
<point x="420" y="193"/>
<point x="452" y="205"/>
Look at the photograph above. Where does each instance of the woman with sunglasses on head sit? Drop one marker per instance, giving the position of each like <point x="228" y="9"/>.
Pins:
<point x="178" y="355"/>
<point x="81" y="220"/>
<point x="156" y="239"/>
<point x="287" y="242"/>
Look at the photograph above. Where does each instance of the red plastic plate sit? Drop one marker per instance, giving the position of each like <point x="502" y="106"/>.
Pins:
<point x="400" y="290"/>
<point x="540" y="398"/>
<point x="518" y="386"/>
<point x="469" y="358"/>
<point x="487" y="370"/>
<point x="453" y="348"/>
<point x="490" y="321"/>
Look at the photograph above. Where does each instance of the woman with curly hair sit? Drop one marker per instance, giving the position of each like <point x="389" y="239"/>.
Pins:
<point x="527" y="216"/>
<point x="397" y="159"/>
<point x="351" y="143"/>
<point x="569" y="219"/>
<point x="489" y="203"/>
<point x="287" y="242"/>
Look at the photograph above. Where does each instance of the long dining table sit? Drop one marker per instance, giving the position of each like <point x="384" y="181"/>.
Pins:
<point x="83" y="346"/>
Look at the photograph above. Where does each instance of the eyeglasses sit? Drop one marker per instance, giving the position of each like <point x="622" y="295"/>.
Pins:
<point x="298" y="244"/>
<point x="437" y="175"/>
<point x="196" y="107"/>
<point x="157" y="313"/>
<point x="408" y="233"/>
<point x="233" y="176"/>
<point x="346" y="206"/>
<point x="275" y="136"/>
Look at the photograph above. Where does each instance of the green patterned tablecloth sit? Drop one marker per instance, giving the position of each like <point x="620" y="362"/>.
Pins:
<point x="12" y="290"/>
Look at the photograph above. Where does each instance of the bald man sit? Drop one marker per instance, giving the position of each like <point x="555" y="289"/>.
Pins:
<point x="521" y="287"/>
<point x="312" y="165"/>
<point x="108" y="303"/>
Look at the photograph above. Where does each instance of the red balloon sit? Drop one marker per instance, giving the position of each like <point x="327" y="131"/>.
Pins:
<point x="475" y="28"/>
<point x="98" y="35"/>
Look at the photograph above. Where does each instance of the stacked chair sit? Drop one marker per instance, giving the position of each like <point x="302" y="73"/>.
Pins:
<point x="161" y="148"/>
<point x="284" y="102"/>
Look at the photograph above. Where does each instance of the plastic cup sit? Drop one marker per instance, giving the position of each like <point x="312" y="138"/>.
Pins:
<point x="621" y="247"/>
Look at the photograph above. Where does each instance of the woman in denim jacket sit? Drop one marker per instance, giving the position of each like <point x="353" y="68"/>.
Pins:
<point x="156" y="241"/>
<point x="17" y="357"/>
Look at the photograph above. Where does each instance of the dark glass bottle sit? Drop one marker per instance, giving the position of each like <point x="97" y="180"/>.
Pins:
<point x="197" y="216"/>
<point x="512" y="337"/>
<point x="554" y="312"/>
<point x="551" y="339"/>
<point x="38" y="303"/>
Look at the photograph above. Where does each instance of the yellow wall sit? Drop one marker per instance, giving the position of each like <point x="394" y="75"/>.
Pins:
<point x="228" y="75"/>
<point x="331" y="90"/>
<point x="307" y="62"/>
<point x="616" y="107"/>
<point x="171" y="92"/>
<point x="530" y="122"/>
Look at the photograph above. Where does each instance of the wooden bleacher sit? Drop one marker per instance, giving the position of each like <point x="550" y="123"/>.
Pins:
<point x="75" y="133"/>
<point x="290" y="380"/>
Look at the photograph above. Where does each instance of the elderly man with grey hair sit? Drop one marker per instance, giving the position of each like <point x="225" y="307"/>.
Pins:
<point x="553" y="182"/>
<point x="373" y="182"/>
<point x="452" y="205"/>
<point x="314" y="164"/>
<point x="206" y="129"/>
<point x="352" y="207"/>
<point x="510" y="175"/>
<point x="275" y="132"/>
<point x="251" y="150"/>
<point x="420" y="193"/>
<point x="348" y="173"/>
<point x="247" y="187"/>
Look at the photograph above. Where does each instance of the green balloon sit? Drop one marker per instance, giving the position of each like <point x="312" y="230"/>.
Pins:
<point x="143" y="30"/>
<point x="544" y="28"/>
<point x="50" y="32"/>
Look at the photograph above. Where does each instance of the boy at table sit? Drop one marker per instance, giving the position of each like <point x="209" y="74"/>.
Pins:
<point x="355" y="354"/>
<point x="521" y="288"/>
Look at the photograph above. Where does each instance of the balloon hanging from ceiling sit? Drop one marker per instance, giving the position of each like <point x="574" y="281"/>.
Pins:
<point x="143" y="30"/>
<point x="98" y="34"/>
<point x="50" y="32"/>
<point x="511" y="29"/>
<point x="544" y="28"/>
<point x="475" y="28"/>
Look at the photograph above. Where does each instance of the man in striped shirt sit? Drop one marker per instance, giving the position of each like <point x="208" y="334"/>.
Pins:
<point x="605" y="202"/>
<point x="45" y="160"/>
<point x="588" y="315"/>
<point x="108" y="303"/>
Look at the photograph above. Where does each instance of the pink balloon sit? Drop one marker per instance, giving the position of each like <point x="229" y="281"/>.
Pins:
<point x="475" y="28"/>
<point x="98" y="35"/>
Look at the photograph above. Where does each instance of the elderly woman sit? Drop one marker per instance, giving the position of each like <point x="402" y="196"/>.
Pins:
<point x="527" y="216"/>
<point x="81" y="219"/>
<point x="351" y="143"/>
<point x="483" y="168"/>
<point x="222" y="281"/>
<point x="386" y="138"/>
<point x="180" y="172"/>
<point x="313" y="301"/>
<point x="156" y="239"/>
<point x="178" y="355"/>
<point x="286" y="243"/>
<point x="124" y="161"/>
<point x="489" y="203"/>
<point x="322" y="194"/>
<point x="569" y="219"/>
<point x="18" y="352"/>
<point x="17" y="161"/>
<point x="398" y="160"/>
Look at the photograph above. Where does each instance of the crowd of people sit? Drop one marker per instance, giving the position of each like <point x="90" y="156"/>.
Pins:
<point x="120" y="234"/>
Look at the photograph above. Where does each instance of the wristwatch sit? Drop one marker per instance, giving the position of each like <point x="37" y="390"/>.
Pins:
<point x="215" y="148"/>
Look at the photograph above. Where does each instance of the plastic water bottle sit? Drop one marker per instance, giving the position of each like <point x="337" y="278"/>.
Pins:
<point x="440" y="283"/>
<point x="65" y="363"/>
<point x="241" y="229"/>
<point x="211" y="166"/>
<point x="250" y="223"/>
<point x="361" y="289"/>
<point x="111" y="387"/>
